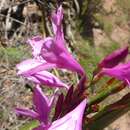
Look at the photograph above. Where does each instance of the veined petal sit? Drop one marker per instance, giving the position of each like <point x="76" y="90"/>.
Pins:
<point x="71" y="64"/>
<point x="57" y="19"/>
<point x="37" y="43"/>
<point x="26" y="112"/>
<point x="33" y="70"/>
<point x="59" y="15"/>
<point x="26" y="65"/>
<point x="54" y="51"/>
<point x="56" y="54"/>
<point x="32" y="66"/>
<point x="46" y="78"/>
<point x="41" y="103"/>
<point x="114" y="58"/>
<point x="49" y="79"/>
<point x="71" y="121"/>
<point x="121" y="72"/>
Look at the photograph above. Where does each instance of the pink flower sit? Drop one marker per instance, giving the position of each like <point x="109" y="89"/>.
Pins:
<point x="49" y="53"/>
<point x="34" y="70"/>
<point x="114" y="58"/>
<point x="54" y="50"/>
<point x="42" y="106"/>
<point x="121" y="72"/>
<point x="36" y="44"/>
<point x="72" y="120"/>
<point x="57" y="19"/>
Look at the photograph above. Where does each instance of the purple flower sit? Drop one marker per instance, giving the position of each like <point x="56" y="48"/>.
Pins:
<point x="114" y="58"/>
<point x="49" y="53"/>
<point x="57" y="19"/>
<point x="42" y="107"/>
<point x="71" y="121"/>
<point x="54" y="50"/>
<point x="121" y="72"/>
<point x="36" y="44"/>
<point x="28" y="69"/>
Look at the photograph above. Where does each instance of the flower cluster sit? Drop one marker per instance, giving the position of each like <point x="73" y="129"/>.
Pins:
<point x="50" y="53"/>
<point x="112" y="67"/>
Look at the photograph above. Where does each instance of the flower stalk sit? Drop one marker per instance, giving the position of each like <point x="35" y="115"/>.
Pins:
<point x="51" y="53"/>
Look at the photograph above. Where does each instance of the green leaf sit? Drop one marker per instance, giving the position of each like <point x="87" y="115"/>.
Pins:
<point x="109" y="114"/>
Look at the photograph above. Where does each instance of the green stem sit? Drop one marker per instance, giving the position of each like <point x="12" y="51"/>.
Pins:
<point x="104" y="94"/>
<point x="109" y="113"/>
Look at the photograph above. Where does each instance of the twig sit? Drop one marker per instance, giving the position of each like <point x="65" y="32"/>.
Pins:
<point x="13" y="19"/>
<point x="24" y="2"/>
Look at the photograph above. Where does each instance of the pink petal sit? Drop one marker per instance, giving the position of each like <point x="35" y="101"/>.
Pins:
<point x="114" y="58"/>
<point x="49" y="79"/>
<point x="26" y="112"/>
<point x="54" y="53"/>
<point x="121" y="72"/>
<point x="71" y="121"/>
<point x="31" y="66"/>
<point x="33" y="70"/>
<point x="57" y="19"/>
<point x="26" y="65"/>
<point x="41" y="103"/>
<point x="46" y="78"/>
<point x="37" y="43"/>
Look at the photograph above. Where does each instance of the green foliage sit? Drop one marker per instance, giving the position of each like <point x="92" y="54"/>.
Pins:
<point x="29" y="126"/>
<point x="13" y="55"/>
<point x="88" y="57"/>
<point x="109" y="113"/>
<point x="106" y="119"/>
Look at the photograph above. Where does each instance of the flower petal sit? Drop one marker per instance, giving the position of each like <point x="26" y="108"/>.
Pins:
<point x="57" y="19"/>
<point x="114" y="58"/>
<point x="31" y="66"/>
<point x="49" y="79"/>
<point x="121" y="72"/>
<point x="37" y="43"/>
<point x="46" y="78"/>
<point x="53" y="53"/>
<point x="41" y="103"/>
<point x="26" y="65"/>
<point x="71" y="121"/>
<point x="26" y="112"/>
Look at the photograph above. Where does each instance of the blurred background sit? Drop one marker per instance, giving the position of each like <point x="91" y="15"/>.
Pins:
<point x="92" y="28"/>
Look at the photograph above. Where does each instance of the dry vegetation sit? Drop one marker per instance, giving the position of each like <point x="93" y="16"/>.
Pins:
<point x="21" y="19"/>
